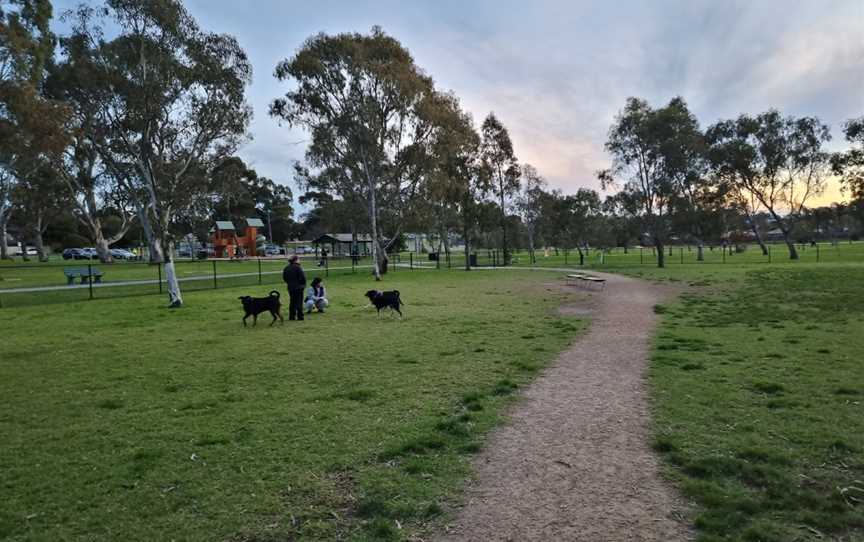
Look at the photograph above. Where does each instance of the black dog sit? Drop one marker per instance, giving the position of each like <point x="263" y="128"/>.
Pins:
<point x="256" y="305"/>
<point x="383" y="300"/>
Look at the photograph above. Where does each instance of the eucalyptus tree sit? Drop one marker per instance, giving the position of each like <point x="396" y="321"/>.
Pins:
<point x="637" y="144"/>
<point x="849" y="164"/>
<point x="681" y="146"/>
<point x="31" y="131"/>
<point x="172" y="97"/>
<point x="496" y="151"/>
<point x="91" y="185"/>
<point x="364" y="102"/>
<point x="528" y="202"/>
<point x="468" y="179"/>
<point x="777" y="161"/>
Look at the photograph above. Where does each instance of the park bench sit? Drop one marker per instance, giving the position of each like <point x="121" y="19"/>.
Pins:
<point x="588" y="279"/>
<point x="85" y="273"/>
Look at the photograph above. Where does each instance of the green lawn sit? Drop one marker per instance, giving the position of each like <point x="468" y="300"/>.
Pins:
<point x="758" y="387"/>
<point x="121" y="419"/>
<point x="617" y="258"/>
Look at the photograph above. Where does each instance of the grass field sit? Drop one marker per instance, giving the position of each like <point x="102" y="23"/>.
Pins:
<point x="129" y="420"/>
<point x="758" y="387"/>
<point x="124" y="420"/>
<point x="617" y="258"/>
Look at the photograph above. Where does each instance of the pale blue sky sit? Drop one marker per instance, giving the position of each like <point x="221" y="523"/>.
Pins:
<point x="556" y="72"/>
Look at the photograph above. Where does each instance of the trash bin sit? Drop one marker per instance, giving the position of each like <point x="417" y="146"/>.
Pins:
<point x="472" y="260"/>
<point x="433" y="256"/>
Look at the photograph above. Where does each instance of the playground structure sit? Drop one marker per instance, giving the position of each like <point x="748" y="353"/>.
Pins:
<point x="227" y="244"/>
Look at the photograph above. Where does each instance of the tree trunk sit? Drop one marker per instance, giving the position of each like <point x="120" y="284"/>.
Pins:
<point x="581" y="254"/>
<point x="661" y="255"/>
<point x="787" y="236"/>
<point x="700" y="252"/>
<point x="4" y="221"/>
<point x="38" y="242"/>
<point x="758" y="237"/>
<point x="153" y="244"/>
<point x="175" y="299"/>
<point x="504" y="249"/>
<point x="373" y="217"/>
<point x="99" y="240"/>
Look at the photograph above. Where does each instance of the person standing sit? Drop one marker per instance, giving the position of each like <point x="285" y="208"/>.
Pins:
<point x="295" y="280"/>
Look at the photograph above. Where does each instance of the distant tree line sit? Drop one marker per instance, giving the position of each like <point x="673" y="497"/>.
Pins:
<point x="390" y="153"/>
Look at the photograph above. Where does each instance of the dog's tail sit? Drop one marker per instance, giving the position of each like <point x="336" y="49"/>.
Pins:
<point x="398" y="297"/>
<point x="274" y="293"/>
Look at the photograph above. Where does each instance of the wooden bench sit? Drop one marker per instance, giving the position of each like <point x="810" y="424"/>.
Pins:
<point x="74" y="272"/>
<point x="601" y="283"/>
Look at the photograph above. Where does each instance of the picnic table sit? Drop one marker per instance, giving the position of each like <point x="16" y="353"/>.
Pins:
<point x="84" y="272"/>
<point x="588" y="279"/>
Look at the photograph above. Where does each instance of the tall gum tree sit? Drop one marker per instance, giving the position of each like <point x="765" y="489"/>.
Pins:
<point x="31" y="126"/>
<point x="496" y="151"/>
<point x="777" y="161"/>
<point x="636" y="143"/>
<point x="361" y="98"/>
<point x="173" y="99"/>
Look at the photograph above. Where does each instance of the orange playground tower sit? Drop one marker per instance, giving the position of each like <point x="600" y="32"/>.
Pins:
<point x="226" y="242"/>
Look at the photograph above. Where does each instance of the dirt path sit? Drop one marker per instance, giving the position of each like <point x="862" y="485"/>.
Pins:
<point x="574" y="462"/>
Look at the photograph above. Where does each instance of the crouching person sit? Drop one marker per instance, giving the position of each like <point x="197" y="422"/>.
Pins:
<point x="316" y="297"/>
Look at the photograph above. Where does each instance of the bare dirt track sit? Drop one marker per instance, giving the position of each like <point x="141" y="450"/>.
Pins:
<point x="574" y="461"/>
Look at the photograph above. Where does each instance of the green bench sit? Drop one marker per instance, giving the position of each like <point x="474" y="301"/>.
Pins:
<point x="85" y="273"/>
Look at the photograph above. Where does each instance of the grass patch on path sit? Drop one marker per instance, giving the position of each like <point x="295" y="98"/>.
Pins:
<point x="124" y="420"/>
<point x="758" y="390"/>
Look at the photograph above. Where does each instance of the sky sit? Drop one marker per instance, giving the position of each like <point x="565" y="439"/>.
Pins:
<point x="556" y="72"/>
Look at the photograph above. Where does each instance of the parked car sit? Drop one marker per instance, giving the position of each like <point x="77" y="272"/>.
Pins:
<point x="184" y="252"/>
<point x="122" y="254"/>
<point x="88" y="253"/>
<point x="74" y="254"/>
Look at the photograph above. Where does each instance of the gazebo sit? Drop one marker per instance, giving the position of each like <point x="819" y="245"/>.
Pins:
<point x="341" y="244"/>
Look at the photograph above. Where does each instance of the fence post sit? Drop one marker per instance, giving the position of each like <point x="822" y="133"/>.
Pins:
<point x="90" y="279"/>
<point x="641" y="260"/>
<point x="682" y="254"/>
<point x="159" y="272"/>
<point x="448" y="260"/>
<point x="327" y="265"/>
<point x="769" y="252"/>
<point x="438" y="260"/>
<point x="724" y="254"/>
<point x="215" y="285"/>
<point x="259" y="270"/>
<point x="566" y="253"/>
<point x="411" y="261"/>
<point x="817" y="252"/>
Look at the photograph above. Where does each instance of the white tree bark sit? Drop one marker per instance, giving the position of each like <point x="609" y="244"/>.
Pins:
<point x="4" y="220"/>
<point x="174" y="296"/>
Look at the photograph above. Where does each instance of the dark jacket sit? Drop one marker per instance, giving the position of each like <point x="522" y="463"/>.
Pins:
<point x="294" y="277"/>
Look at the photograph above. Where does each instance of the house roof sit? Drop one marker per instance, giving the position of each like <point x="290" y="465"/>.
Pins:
<point x="254" y="222"/>
<point x="225" y="225"/>
<point x="343" y="238"/>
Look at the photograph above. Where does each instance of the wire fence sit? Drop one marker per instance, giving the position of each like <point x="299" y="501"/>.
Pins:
<point x="41" y="283"/>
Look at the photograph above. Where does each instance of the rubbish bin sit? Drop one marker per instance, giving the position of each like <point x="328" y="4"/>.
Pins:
<point x="433" y="256"/>
<point x="472" y="260"/>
